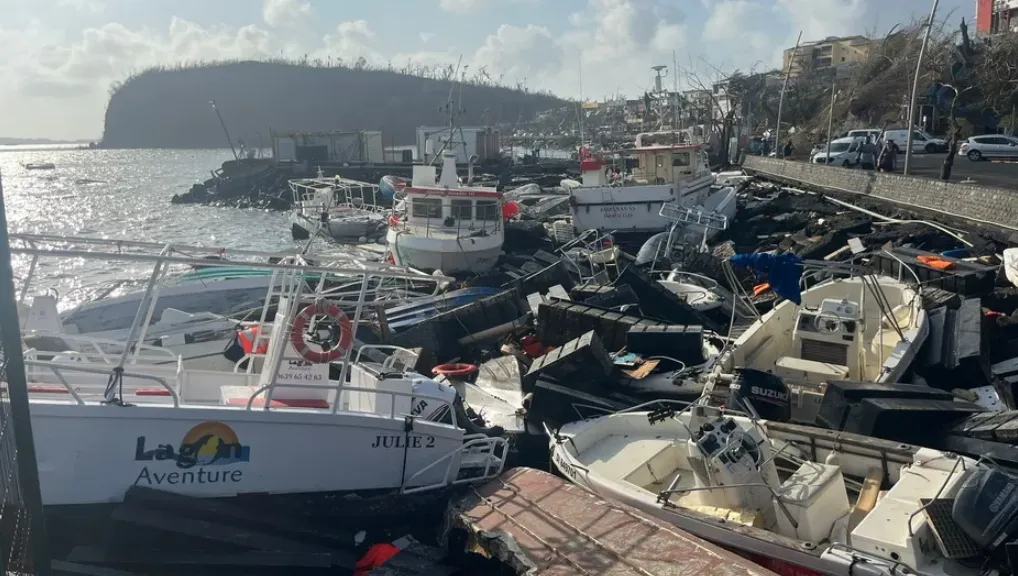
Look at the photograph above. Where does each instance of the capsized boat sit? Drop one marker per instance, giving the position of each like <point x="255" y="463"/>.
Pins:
<point x="444" y="225"/>
<point x="861" y="328"/>
<point x="345" y="210"/>
<point x="136" y="420"/>
<point x="799" y="499"/>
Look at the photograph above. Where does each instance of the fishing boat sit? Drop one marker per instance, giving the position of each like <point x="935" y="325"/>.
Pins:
<point x="342" y="209"/>
<point x="136" y="421"/>
<point x="800" y="500"/>
<point x="860" y="328"/>
<point x="671" y="181"/>
<point x="40" y="166"/>
<point x="444" y="225"/>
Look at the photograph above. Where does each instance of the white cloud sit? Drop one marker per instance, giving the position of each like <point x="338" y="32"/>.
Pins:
<point x="460" y="6"/>
<point x="426" y="37"/>
<point x="279" y="13"/>
<point x="736" y="22"/>
<point x="519" y="53"/>
<point x="352" y="40"/>
<point x="819" y="19"/>
<point x="93" y="6"/>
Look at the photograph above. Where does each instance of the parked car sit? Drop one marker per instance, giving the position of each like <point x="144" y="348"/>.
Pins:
<point x="989" y="146"/>
<point x="875" y="134"/>
<point x="921" y="141"/>
<point x="844" y="152"/>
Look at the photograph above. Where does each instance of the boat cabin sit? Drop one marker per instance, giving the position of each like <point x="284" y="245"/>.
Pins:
<point x="667" y="158"/>
<point x="445" y="204"/>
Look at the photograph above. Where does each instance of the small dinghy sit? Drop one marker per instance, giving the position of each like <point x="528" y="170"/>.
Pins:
<point x="696" y="290"/>
<point x="797" y="499"/>
<point x="863" y="328"/>
<point x="345" y="210"/>
<point x="40" y="166"/>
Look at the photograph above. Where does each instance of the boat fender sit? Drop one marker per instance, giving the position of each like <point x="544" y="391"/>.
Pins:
<point x="320" y="308"/>
<point x="378" y="555"/>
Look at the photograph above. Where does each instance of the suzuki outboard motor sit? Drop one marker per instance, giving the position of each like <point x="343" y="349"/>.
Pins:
<point x="765" y="392"/>
<point x="986" y="508"/>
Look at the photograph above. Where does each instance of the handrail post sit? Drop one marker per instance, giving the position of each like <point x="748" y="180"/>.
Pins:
<point x="348" y="352"/>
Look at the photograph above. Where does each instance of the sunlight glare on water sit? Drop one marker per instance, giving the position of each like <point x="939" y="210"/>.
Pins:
<point x="122" y="194"/>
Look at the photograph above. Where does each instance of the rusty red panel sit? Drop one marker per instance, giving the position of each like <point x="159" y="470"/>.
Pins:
<point x="564" y="530"/>
<point x="984" y="13"/>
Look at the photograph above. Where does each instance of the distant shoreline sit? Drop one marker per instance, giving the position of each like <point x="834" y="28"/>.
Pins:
<point x="40" y="142"/>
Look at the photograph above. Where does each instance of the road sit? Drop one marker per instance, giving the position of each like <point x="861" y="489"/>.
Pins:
<point x="997" y="174"/>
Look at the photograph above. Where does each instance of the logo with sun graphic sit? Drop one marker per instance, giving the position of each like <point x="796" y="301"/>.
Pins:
<point x="211" y="444"/>
<point x="207" y="444"/>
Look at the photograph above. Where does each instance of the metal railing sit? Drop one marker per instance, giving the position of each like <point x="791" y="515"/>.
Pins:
<point x="58" y="368"/>
<point x="23" y="545"/>
<point x="473" y="444"/>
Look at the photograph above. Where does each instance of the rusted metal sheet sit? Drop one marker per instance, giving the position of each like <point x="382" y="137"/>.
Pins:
<point x="542" y="525"/>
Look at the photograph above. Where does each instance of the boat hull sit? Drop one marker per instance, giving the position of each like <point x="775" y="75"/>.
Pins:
<point x="633" y="209"/>
<point x="477" y="255"/>
<point x="92" y="454"/>
<point x="338" y="229"/>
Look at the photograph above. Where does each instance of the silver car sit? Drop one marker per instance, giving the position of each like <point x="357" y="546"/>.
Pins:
<point x="989" y="146"/>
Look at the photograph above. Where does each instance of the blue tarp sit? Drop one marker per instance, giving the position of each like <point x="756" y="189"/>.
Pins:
<point x="784" y="272"/>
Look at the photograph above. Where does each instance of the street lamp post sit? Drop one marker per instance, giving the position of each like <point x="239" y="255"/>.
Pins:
<point x="830" y="121"/>
<point x="781" y="98"/>
<point x="915" y="87"/>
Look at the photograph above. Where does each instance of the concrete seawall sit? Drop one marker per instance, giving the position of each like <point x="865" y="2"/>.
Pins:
<point x="995" y="207"/>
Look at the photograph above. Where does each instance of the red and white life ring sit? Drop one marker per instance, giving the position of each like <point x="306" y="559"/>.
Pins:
<point x="321" y="308"/>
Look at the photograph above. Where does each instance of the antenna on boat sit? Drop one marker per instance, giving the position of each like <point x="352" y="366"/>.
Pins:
<point x="453" y="113"/>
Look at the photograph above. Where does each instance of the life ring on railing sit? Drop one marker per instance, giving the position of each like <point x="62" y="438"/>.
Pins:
<point x="321" y="308"/>
<point x="247" y="339"/>
<point x="454" y="370"/>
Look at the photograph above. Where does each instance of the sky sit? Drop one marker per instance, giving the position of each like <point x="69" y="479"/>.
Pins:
<point x="58" y="58"/>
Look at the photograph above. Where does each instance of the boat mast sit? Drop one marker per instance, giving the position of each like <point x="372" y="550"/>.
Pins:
<point x="579" y="112"/>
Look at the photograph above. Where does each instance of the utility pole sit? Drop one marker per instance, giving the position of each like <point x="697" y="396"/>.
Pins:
<point x="781" y="99"/>
<point x="915" y="87"/>
<point x="225" y="131"/>
<point x="677" y="125"/>
<point x="830" y="120"/>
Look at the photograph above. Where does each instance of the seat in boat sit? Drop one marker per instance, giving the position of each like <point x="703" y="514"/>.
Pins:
<point x="239" y="396"/>
<point x="816" y="498"/>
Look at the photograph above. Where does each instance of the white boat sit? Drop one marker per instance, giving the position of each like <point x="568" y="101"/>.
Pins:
<point x="343" y="209"/>
<point x="670" y="171"/>
<point x="446" y="226"/>
<point x="797" y="499"/>
<point x="101" y="427"/>
<point x="699" y="291"/>
<point x="862" y="328"/>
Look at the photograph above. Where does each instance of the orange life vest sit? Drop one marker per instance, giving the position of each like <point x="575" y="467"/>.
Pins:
<point x="247" y="339"/>
<point x="376" y="556"/>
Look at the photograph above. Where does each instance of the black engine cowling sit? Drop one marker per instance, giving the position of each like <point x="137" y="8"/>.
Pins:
<point x="766" y="392"/>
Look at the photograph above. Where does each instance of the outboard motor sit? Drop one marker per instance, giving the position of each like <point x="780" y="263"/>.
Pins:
<point x="986" y="509"/>
<point x="425" y="409"/>
<point x="766" y="393"/>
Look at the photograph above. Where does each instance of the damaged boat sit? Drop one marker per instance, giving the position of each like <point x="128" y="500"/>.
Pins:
<point x="344" y="210"/>
<point x="799" y="499"/>
<point x="444" y="225"/>
<point x="866" y="328"/>
<point x="670" y="181"/>
<point x="140" y="420"/>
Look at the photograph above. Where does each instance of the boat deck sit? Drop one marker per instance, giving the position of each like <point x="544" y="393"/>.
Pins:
<point x="562" y="529"/>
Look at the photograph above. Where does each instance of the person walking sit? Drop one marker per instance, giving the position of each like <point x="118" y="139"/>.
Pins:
<point x="885" y="161"/>
<point x="867" y="154"/>
<point x="788" y="149"/>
